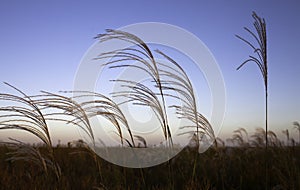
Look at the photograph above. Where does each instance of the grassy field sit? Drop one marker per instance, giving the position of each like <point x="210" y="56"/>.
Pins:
<point x="259" y="161"/>
<point x="222" y="168"/>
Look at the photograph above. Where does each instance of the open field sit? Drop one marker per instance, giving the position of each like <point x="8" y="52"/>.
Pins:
<point x="134" y="99"/>
<point x="222" y="168"/>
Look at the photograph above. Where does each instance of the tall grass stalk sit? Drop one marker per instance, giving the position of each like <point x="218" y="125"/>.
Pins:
<point x="260" y="59"/>
<point x="169" y="79"/>
<point x="177" y="81"/>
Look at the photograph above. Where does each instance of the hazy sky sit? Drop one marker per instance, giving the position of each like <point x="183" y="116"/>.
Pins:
<point x="42" y="45"/>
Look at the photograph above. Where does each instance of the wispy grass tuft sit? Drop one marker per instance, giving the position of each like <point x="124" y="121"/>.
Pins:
<point x="175" y="79"/>
<point x="137" y="56"/>
<point x="62" y="108"/>
<point x="24" y="114"/>
<point x="100" y="105"/>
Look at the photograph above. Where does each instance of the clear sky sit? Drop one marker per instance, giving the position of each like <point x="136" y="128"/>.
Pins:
<point x="42" y="44"/>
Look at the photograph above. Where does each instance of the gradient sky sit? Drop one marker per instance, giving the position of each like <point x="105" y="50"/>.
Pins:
<point x="42" y="45"/>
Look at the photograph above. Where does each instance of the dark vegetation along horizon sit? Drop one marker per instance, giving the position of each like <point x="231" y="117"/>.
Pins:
<point x="259" y="161"/>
